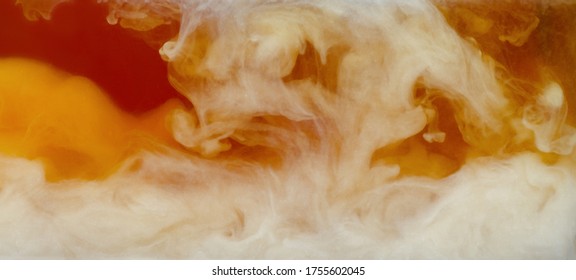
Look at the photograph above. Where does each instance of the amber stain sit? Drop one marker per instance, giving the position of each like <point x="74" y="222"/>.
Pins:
<point x="544" y="49"/>
<point x="417" y="157"/>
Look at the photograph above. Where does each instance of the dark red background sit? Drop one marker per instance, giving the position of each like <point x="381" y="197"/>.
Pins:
<point x="79" y="40"/>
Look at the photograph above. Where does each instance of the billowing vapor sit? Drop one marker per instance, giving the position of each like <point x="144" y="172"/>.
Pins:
<point x="313" y="129"/>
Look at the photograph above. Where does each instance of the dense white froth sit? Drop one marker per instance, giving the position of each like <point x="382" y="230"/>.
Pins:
<point x="293" y="103"/>
<point x="516" y="208"/>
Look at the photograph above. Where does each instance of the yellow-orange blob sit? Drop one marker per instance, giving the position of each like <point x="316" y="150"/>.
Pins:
<point x="68" y="122"/>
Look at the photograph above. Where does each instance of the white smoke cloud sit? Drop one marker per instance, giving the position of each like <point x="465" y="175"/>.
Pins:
<point x="294" y="103"/>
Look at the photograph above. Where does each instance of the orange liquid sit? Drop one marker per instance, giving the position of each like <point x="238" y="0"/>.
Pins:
<point x="82" y="125"/>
